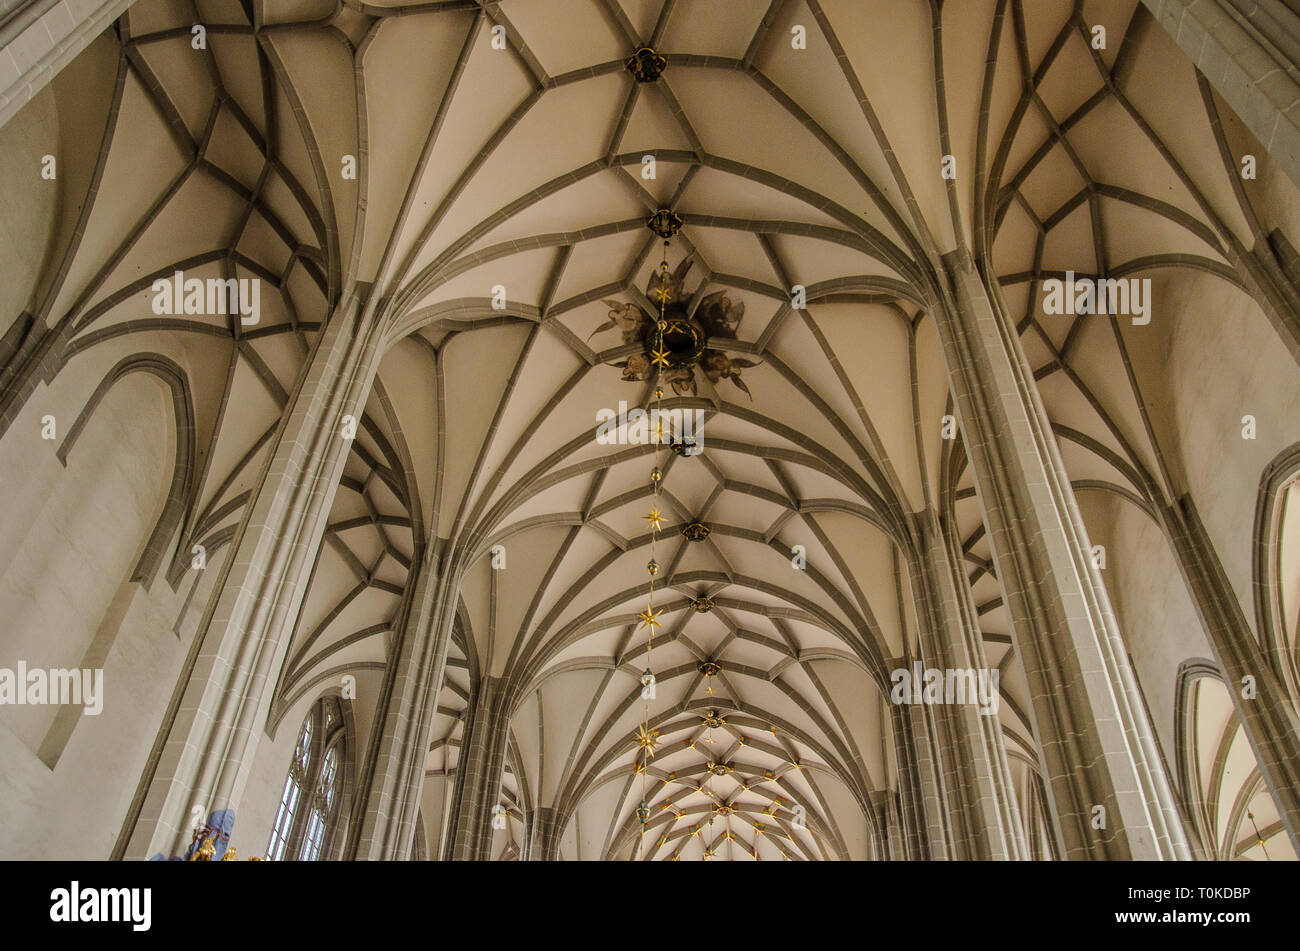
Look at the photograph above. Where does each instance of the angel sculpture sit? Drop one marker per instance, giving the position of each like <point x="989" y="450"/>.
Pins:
<point x="630" y="319"/>
<point x="681" y="379"/>
<point x="719" y="315"/>
<point x="636" y="368"/>
<point x="719" y="366"/>
<point x="668" y="286"/>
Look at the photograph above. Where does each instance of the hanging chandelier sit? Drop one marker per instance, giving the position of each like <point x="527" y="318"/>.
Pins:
<point x="670" y="346"/>
<point x="675" y="344"/>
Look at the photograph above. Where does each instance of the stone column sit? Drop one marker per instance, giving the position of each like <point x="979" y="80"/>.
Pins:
<point x="544" y="836"/>
<point x="1268" y="717"/>
<point x="40" y="37"/>
<point x="977" y="779"/>
<point x="884" y="803"/>
<point x="923" y="819"/>
<point x="478" y="775"/>
<point x="1096" y="747"/>
<point x="392" y="775"/>
<point x="210" y="732"/>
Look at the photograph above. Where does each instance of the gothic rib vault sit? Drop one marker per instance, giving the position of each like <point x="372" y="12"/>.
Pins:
<point x="518" y="173"/>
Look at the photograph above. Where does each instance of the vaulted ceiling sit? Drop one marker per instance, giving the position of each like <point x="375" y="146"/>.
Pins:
<point x="818" y="164"/>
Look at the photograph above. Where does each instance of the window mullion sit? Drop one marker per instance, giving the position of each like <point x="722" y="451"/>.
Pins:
<point x="311" y="776"/>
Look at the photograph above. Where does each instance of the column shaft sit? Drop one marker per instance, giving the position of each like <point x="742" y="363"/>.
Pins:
<point x="210" y="732"/>
<point x="392" y="776"/>
<point x="543" y="836"/>
<point x="478" y="776"/>
<point x="1109" y="794"/>
<point x="923" y="819"/>
<point x="981" y="801"/>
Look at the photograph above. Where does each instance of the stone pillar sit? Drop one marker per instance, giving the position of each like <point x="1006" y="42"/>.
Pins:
<point x="543" y="836"/>
<point x="478" y="775"/>
<point x="209" y="735"/>
<point x="923" y="819"/>
<point x="392" y="775"/>
<point x="885" y="805"/>
<point x="38" y="38"/>
<point x="1096" y="747"/>
<point x="1268" y="717"/>
<point x="977" y="779"/>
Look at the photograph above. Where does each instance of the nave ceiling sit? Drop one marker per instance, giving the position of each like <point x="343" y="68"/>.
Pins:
<point x="522" y="169"/>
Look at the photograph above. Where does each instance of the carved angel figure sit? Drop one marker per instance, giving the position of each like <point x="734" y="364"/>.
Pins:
<point x="681" y="379"/>
<point x="630" y="319"/>
<point x="720" y="315"/>
<point x="636" y="368"/>
<point x="718" y="366"/>
<point x="662" y="281"/>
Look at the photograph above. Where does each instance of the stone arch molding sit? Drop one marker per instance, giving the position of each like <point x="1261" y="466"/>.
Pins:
<point x="1280" y="644"/>
<point x="171" y="521"/>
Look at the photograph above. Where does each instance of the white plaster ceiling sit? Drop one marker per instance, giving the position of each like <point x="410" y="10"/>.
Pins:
<point x="522" y="168"/>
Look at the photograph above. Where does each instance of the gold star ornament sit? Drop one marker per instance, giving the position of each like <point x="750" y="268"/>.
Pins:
<point x="647" y="739"/>
<point x="650" y="617"/>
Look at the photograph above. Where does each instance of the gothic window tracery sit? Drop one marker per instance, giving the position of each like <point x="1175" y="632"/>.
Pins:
<point x="309" y="805"/>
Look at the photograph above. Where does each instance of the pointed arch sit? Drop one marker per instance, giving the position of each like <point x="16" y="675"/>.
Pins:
<point x="179" y="495"/>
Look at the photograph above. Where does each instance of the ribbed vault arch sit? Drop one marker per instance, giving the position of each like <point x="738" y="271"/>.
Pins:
<point x="521" y="168"/>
